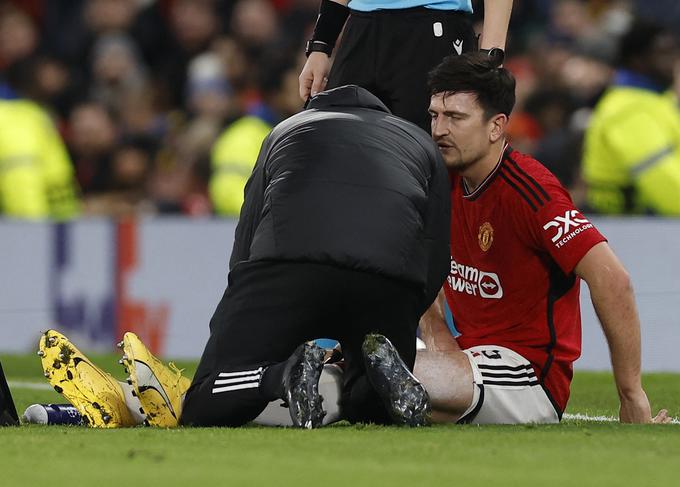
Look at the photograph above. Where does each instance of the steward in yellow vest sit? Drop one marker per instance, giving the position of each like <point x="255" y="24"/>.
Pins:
<point x="233" y="158"/>
<point x="631" y="161"/>
<point x="36" y="175"/>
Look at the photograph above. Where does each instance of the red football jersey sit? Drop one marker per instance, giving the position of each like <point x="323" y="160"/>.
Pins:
<point x="515" y="241"/>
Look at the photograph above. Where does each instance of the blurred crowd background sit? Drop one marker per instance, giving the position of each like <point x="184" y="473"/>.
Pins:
<point x="160" y="106"/>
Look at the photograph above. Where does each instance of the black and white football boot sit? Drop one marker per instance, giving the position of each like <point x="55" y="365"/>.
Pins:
<point x="301" y="386"/>
<point x="404" y="396"/>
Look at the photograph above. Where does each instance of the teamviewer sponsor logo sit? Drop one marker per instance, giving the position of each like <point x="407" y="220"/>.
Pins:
<point x="470" y="280"/>
<point x="566" y="227"/>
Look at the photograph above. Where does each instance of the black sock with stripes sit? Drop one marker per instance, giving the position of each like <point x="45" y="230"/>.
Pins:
<point x="271" y="384"/>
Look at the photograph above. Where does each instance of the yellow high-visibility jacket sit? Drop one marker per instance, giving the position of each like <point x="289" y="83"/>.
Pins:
<point x="36" y="175"/>
<point x="631" y="159"/>
<point x="233" y="158"/>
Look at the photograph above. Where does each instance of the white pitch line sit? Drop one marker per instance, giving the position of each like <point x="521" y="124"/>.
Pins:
<point x="36" y="386"/>
<point x="594" y="419"/>
<point x="599" y="419"/>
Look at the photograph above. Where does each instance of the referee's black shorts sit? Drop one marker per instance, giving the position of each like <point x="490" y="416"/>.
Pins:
<point x="270" y="308"/>
<point x="390" y="52"/>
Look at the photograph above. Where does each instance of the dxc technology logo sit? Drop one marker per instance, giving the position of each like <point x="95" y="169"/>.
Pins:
<point x="562" y="227"/>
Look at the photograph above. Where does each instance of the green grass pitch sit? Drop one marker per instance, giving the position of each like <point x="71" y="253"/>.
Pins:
<point x="574" y="453"/>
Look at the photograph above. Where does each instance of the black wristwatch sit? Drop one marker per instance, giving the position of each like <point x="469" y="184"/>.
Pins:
<point x="318" y="46"/>
<point x="495" y="54"/>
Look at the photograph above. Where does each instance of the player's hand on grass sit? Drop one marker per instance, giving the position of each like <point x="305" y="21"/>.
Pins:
<point x="635" y="409"/>
<point x="662" y="417"/>
<point x="314" y="75"/>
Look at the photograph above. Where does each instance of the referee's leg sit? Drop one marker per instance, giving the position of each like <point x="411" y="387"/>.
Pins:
<point x="414" y="42"/>
<point x="354" y="61"/>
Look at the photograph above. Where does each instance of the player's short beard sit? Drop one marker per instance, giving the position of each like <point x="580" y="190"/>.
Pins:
<point x="462" y="166"/>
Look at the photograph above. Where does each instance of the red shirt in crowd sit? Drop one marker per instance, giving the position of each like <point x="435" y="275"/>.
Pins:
<point x="515" y="241"/>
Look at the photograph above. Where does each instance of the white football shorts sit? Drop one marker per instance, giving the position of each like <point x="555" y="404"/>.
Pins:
<point x="506" y="389"/>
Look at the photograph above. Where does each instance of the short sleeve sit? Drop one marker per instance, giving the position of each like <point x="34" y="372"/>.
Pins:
<point x="559" y="228"/>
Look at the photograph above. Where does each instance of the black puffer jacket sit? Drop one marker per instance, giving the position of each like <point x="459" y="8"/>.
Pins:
<point x="348" y="184"/>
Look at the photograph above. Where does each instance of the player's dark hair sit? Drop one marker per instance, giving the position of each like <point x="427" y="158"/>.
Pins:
<point x="21" y="77"/>
<point x="638" y="41"/>
<point x="475" y="73"/>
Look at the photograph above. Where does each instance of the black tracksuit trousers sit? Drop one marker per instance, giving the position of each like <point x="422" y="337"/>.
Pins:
<point x="270" y="308"/>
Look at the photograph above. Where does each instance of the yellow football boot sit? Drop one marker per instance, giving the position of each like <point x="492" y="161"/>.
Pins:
<point x="160" y="388"/>
<point x="95" y="393"/>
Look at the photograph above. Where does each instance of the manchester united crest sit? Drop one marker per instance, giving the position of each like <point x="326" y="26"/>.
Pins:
<point x="485" y="236"/>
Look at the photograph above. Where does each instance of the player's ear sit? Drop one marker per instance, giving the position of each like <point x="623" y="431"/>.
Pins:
<point x="497" y="125"/>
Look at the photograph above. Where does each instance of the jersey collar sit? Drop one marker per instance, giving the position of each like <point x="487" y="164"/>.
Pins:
<point x="629" y="79"/>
